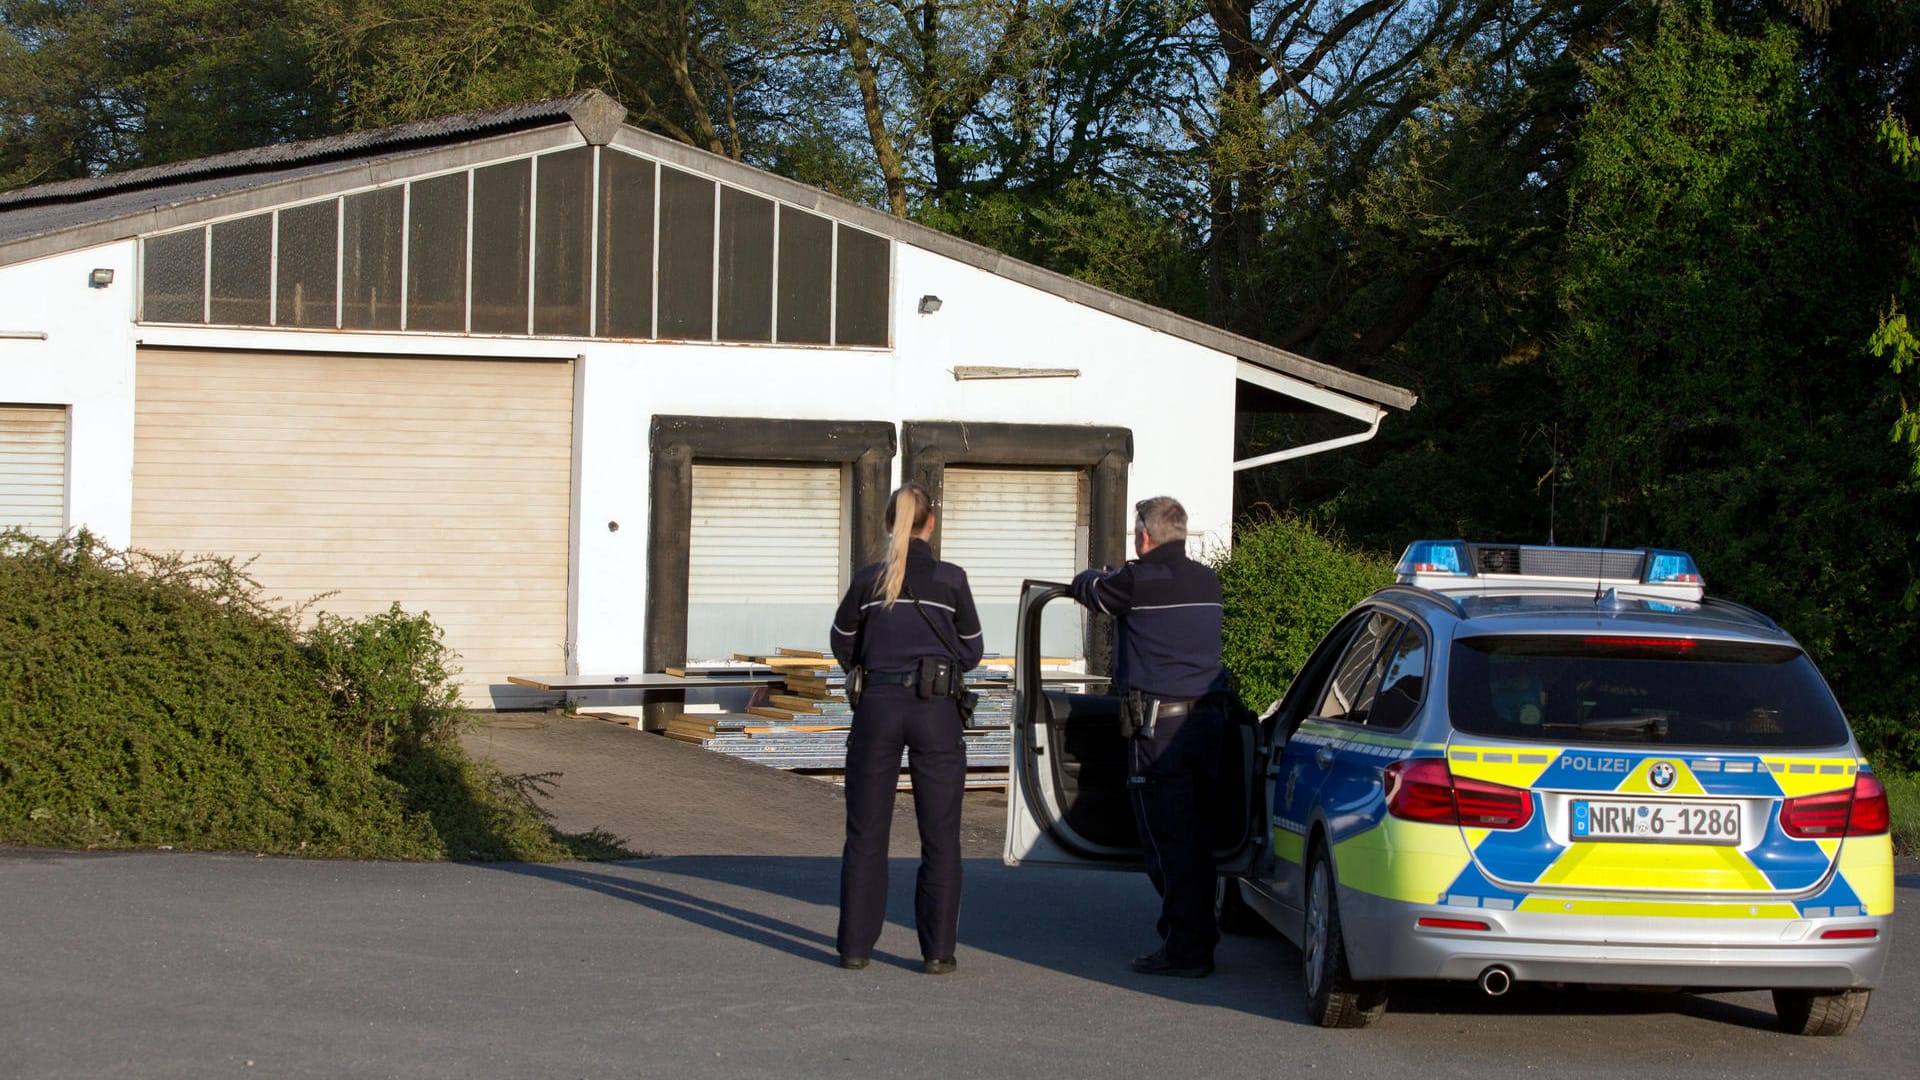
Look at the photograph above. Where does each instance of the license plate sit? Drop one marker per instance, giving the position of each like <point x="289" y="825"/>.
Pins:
<point x="1656" y="819"/>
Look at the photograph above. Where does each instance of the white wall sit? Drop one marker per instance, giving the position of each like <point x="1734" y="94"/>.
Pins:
<point x="85" y="363"/>
<point x="1177" y="398"/>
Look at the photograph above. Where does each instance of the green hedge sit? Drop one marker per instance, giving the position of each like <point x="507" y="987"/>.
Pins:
<point x="1286" y="583"/>
<point x="158" y="701"/>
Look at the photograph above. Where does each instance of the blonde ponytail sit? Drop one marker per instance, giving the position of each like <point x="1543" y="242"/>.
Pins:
<point x="893" y="568"/>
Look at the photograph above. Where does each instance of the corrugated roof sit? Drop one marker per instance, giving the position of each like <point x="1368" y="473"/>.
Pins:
<point x="69" y="215"/>
<point x="357" y="144"/>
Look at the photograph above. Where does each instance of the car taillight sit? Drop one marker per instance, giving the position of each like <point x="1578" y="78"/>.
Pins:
<point x="1424" y="789"/>
<point x="1857" y="811"/>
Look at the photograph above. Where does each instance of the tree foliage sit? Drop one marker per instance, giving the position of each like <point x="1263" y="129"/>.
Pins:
<point x="696" y="70"/>
<point x="90" y="86"/>
<point x="1713" y="359"/>
<point x="1895" y="340"/>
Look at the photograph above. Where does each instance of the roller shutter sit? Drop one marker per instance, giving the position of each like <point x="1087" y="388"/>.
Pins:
<point x="33" y="468"/>
<point x="1004" y="526"/>
<point x="444" y="485"/>
<point x="767" y="557"/>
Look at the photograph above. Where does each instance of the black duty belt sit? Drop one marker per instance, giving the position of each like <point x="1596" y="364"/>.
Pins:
<point x="893" y="678"/>
<point x="1173" y="708"/>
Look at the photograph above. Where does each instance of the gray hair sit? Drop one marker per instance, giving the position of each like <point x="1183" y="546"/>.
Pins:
<point x="1162" y="518"/>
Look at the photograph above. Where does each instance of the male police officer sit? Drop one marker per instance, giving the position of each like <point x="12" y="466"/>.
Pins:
<point x="1166" y="669"/>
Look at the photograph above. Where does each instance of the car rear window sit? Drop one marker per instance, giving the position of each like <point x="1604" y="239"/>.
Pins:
<point x="1612" y="689"/>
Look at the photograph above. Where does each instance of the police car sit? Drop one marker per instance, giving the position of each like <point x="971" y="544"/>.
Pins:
<point x="1519" y="764"/>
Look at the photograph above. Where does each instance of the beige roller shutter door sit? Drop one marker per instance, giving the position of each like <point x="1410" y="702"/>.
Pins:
<point x="444" y="485"/>
<point x="1004" y="526"/>
<point x="767" y="557"/>
<point x="33" y="469"/>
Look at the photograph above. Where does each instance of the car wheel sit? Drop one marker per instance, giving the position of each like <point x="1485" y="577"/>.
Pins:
<point x="1334" y="998"/>
<point x="1234" y="914"/>
<point x="1816" y="1012"/>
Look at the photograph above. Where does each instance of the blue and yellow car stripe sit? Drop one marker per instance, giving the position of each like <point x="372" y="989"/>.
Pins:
<point x="1528" y="870"/>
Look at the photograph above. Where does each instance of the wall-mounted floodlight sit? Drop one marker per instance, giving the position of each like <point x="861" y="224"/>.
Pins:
<point x="929" y="304"/>
<point x="100" y="277"/>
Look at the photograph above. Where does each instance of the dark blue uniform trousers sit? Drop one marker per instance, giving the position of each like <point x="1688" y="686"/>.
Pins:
<point x="887" y="719"/>
<point x="1171" y="777"/>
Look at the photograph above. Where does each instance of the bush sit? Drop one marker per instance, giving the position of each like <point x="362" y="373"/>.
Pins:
<point x="388" y="678"/>
<point x="149" y="701"/>
<point x="1903" y="801"/>
<point x="1286" y="584"/>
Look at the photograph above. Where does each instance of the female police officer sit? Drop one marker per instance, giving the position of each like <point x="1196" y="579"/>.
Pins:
<point x="905" y="702"/>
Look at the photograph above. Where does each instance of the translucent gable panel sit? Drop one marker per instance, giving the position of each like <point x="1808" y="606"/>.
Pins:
<point x="238" y="289"/>
<point x="308" y="255"/>
<point x="173" y="277"/>
<point x="746" y="267"/>
<point x="543" y="244"/>
<point x="686" y="256"/>
<point x="626" y="246"/>
<point x="437" y="254"/>
<point x="563" y="216"/>
<point x="502" y="227"/>
<point x="861" y="278"/>
<point x="370" y="259"/>
<point x="806" y="278"/>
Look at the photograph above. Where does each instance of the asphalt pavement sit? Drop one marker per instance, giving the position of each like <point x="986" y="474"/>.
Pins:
<point x="721" y="964"/>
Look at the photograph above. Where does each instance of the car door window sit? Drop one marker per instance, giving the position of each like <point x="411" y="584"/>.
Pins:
<point x="1350" y="692"/>
<point x="1403" y="685"/>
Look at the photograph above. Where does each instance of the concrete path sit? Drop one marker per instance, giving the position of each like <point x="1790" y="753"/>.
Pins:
<point x="665" y="797"/>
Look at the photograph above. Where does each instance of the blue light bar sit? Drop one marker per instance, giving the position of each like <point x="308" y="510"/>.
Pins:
<point x="1456" y="566"/>
<point x="1672" y="568"/>
<point x="1433" y="557"/>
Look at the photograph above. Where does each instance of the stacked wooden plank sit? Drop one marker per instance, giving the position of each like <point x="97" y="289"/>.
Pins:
<point x="803" y="725"/>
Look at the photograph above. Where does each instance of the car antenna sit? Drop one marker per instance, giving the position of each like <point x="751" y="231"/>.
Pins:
<point x="1553" y="482"/>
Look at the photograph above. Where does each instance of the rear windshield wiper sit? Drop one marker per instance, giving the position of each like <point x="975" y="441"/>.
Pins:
<point x="1646" y="728"/>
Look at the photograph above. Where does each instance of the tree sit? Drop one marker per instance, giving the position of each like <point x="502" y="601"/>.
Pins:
<point x="1894" y="340"/>
<point x="91" y="86"/>
<point x="1357" y="154"/>
<point x="926" y="73"/>
<point x="1713" y="365"/>
<point x="1419" y="237"/>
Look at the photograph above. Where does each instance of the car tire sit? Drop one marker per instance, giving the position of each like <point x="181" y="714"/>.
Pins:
<point x="1818" y="1012"/>
<point x="1334" y="998"/>
<point x="1234" y="914"/>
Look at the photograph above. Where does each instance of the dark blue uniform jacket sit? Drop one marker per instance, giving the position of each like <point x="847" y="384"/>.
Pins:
<point x="896" y="638"/>
<point x="1167" y="612"/>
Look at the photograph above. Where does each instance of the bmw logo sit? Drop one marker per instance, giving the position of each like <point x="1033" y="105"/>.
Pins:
<point x="1662" y="775"/>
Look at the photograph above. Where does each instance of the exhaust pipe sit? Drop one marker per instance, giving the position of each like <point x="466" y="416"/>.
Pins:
<point x="1495" y="981"/>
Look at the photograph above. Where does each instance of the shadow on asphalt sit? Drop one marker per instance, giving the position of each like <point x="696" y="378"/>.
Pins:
<point x="1081" y="924"/>
<point x="757" y="927"/>
<point x="1464" y="1001"/>
<point x="1086" y="925"/>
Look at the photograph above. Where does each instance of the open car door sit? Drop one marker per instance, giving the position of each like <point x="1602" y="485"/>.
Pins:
<point x="1067" y="799"/>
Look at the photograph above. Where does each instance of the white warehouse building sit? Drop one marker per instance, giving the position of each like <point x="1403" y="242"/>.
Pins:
<point x="595" y="400"/>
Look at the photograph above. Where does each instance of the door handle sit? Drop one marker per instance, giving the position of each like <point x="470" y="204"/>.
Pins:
<point x="1323" y="757"/>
